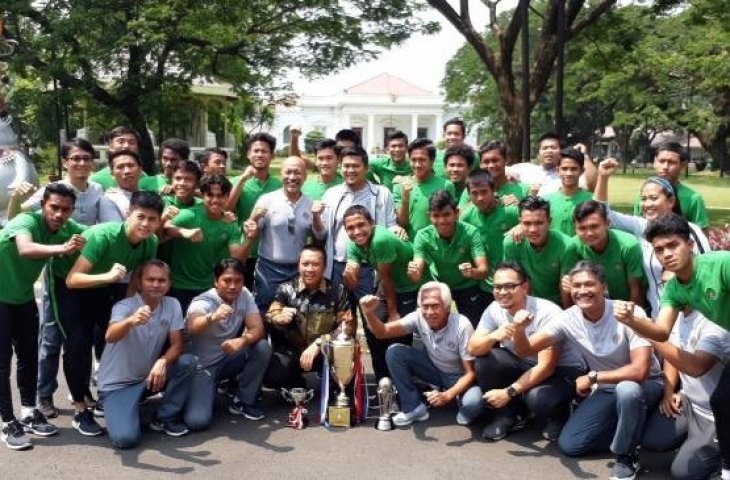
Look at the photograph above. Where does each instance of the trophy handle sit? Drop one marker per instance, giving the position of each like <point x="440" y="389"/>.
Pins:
<point x="286" y="394"/>
<point x="309" y="395"/>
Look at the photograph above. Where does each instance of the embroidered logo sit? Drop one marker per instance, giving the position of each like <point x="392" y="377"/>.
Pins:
<point x="711" y="294"/>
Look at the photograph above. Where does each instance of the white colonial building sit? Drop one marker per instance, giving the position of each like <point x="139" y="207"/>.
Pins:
<point x="373" y="108"/>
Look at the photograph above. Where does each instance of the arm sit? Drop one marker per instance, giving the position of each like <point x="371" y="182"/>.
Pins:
<point x="198" y="321"/>
<point x="118" y="330"/>
<point x="386" y="282"/>
<point x="545" y="367"/>
<point x="481" y="270"/>
<point x="252" y="333"/>
<point x="404" y="210"/>
<point x="527" y="347"/>
<point x="158" y="373"/>
<point x="238" y="188"/>
<point x="19" y="195"/>
<point x="637" y="369"/>
<point x="589" y="170"/>
<point x="693" y="364"/>
<point x="636" y="291"/>
<point x="415" y="269"/>
<point x="29" y="249"/>
<point x="482" y="341"/>
<point x="79" y="276"/>
<point x="369" y="305"/>
<point x="657" y="330"/>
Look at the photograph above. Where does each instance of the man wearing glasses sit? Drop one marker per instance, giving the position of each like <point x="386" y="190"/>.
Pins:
<point x="542" y="384"/>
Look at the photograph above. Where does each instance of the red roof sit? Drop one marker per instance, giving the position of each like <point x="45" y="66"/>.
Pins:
<point x="386" y="84"/>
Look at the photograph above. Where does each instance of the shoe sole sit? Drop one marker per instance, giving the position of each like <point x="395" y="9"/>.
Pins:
<point x="422" y="418"/>
<point x="29" y="429"/>
<point x="77" y="426"/>
<point x="637" y="468"/>
<point x="233" y="411"/>
<point x="515" y="428"/>
<point x="25" y="446"/>
<point x="157" y="428"/>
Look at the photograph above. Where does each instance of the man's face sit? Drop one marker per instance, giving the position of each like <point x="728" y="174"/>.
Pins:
<point x="421" y="164"/>
<point x="124" y="142"/>
<point x="548" y="153"/>
<point x="673" y="252"/>
<point x="358" y="229"/>
<point x="433" y="309"/>
<point x="444" y="220"/>
<point x="457" y="168"/>
<point x="184" y="183"/>
<point x="169" y="160"/>
<point x="483" y="197"/>
<point x="494" y="163"/>
<point x="354" y="171"/>
<point x="397" y="149"/>
<point x="57" y="209"/>
<point x="126" y="172"/>
<point x="509" y="290"/>
<point x="569" y="172"/>
<point x="78" y="163"/>
<point x="537" y="225"/>
<point x="154" y="282"/>
<point x="593" y="230"/>
<point x="214" y="200"/>
<point x="668" y="166"/>
<point x="216" y="165"/>
<point x="327" y="162"/>
<point x="229" y="285"/>
<point x="311" y="268"/>
<point x="586" y="290"/>
<point x="453" y="134"/>
<point x="293" y="175"/>
<point x="260" y="155"/>
<point x="142" y="223"/>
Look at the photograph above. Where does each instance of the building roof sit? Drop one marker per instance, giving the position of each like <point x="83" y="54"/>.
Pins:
<point x="386" y="84"/>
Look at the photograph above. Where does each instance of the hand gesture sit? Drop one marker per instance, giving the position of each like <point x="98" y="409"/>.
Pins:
<point x="116" y="273"/>
<point x="607" y="167"/>
<point x="437" y="399"/>
<point x="317" y="208"/>
<point x="369" y="303"/>
<point x="466" y="269"/>
<point x="258" y="213"/>
<point x="74" y="244"/>
<point x="671" y="405"/>
<point x="286" y="316"/>
<point x="295" y="130"/>
<point x="351" y="275"/>
<point x="222" y="313"/>
<point x="229" y="216"/>
<point x="195" y="235"/>
<point x="516" y="233"/>
<point x="306" y="360"/>
<point x="522" y="318"/>
<point x="232" y="345"/>
<point x="142" y="316"/>
<point x="400" y="232"/>
<point x="248" y="172"/>
<point x="565" y="284"/>
<point x="166" y="190"/>
<point x="251" y="229"/>
<point x="504" y="332"/>
<point x="623" y="311"/>
<point x="23" y="191"/>
<point x="170" y="213"/>
<point x="510" y="200"/>
<point x="583" y="386"/>
<point x="534" y="188"/>
<point x="407" y="185"/>
<point x="497" y="398"/>
<point x="156" y="378"/>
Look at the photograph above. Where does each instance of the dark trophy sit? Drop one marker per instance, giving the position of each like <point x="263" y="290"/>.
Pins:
<point x="298" y="415"/>
<point x="386" y="399"/>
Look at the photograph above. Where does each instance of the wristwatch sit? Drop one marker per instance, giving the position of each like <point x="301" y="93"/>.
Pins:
<point x="593" y="377"/>
<point x="512" y="391"/>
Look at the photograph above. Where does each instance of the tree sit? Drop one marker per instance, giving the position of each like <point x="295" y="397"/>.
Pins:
<point x="498" y="57"/>
<point x="311" y="139"/>
<point x="122" y="53"/>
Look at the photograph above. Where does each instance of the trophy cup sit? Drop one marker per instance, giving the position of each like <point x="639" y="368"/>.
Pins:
<point x="386" y="399"/>
<point x="298" y="415"/>
<point x="341" y="355"/>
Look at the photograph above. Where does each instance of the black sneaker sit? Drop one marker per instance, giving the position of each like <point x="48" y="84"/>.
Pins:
<point x="625" y="468"/>
<point x="170" y="427"/>
<point x="86" y="425"/>
<point x="498" y="428"/>
<point x="551" y="430"/>
<point x="36" y="423"/>
<point x="13" y="434"/>
<point x="252" y="412"/>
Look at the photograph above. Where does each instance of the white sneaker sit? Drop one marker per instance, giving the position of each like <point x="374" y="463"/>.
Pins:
<point x="418" y="414"/>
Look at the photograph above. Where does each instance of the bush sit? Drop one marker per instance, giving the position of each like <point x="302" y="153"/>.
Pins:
<point x="719" y="237"/>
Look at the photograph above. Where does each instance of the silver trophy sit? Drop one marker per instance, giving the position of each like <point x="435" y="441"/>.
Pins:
<point x="386" y="399"/>
<point x="298" y="415"/>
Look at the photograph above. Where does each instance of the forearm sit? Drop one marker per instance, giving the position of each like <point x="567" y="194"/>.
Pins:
<point x="14" y="207"/>
<point x="404" y="212"/>
<point x="173" y="352"/>
<point x="535" y="376"/>
<point x="390" y="296"/>
<point x="481" y="343"/>
<point x="630" y="372"/>
<point x="198" y="324"/>
<point x="39" y="251"/>
<point x="521" y="344"/>
<point x="235" y="194"/>
<point x="118" y="330"/>
<point x="252" y="335"/>
<point x="681" y="360"/>
<point x="650" y="330"/>
<point x="86" y="280"/>
<point x="376" y="326"/>
<point x="462" y="385"/>
<point x="601" y="192"/>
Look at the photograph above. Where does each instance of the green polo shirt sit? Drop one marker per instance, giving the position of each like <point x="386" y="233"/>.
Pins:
<point x="173" y="201"/>
<point x="707" y="291"/>
<point x="690" y="201"/>
<point x="314" y="188"/>
<point x="622" y="259"/>
<point x="384" y="170"/>
<point x="252" y="190"/>
<point x="105" y="178"/>
<point x="519" y="190"/>
<point x="18" y="274"/>
<point x="386" y="248"/>
<point x="543" y="266"/>
<point x="443" y="256"/>
<point x="562" y="207"/>
<point x="418" y="201"/>
<point x="154" y="183"/>
<point x="439" y="167"/>
<point x="191" y="264"/>
<point x="491" y="227"/>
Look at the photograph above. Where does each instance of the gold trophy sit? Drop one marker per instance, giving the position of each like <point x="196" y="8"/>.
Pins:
<point x="341" y="355"/>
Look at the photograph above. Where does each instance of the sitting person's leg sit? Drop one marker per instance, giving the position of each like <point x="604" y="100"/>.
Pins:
<point x="121" y="413"/>
<point x="406" y="364"/>
<point x="177" y="391"/>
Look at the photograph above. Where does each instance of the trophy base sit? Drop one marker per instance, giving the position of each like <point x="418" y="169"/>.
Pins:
<point x="339" y="416"/>
<point x="384" y="424"/>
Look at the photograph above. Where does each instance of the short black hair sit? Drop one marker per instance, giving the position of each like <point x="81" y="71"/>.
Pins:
<point x="441" y="199"/>
<point x="326" y="143"/>
<point x="190" y="167"/>
<point x="208" y="152"/>
<point x="357" y="210"/>
<point x="216" y="179"/>
<point x="493" y="145"/>
<point x="177" y="145"/>
<point x="589" y="207"/>
<point x="671" y="224"/>
<point x="315" y="248"/>
<point x="573" y="154"/>
<point x="147" y="200"/>
<point x="355" y="151"/>
<point x="456" y="121"/>
<point x="533" y="203"/>
<point x="591" y="267"/>
<point x="119" y="132"/>
<point x="349" y="135"/>
<point x="397" y="135"/>
<point x="479" y="178"/>
<point x="460" y="150"/>
<point x="233" y="263"/>
<point x="423" y="144"/>
<point x="674" y="147"/>
<point x="551" y="136"/>
<point x="515" y="267"/>
<point x="124" y="153"/>
<point x="261" y="137"/>
<point x="60" y="189"/>
<point x="79" y="143"/>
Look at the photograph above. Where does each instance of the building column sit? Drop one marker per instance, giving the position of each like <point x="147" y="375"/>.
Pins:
<point x="414" y="127"/>
<point x="371" y="132"/>
<point x="437" y="129"/>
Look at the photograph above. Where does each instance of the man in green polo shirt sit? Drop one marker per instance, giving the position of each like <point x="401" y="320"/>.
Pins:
<point x="327" y="161"/>
<point x="200" y="238"/>
<point x="396" y="164"/>
<point x="26" y="244"/>
<point x="411" y="195"/>
<point x="172" y="152"/>
<point x="570" y="194"/>
<point x="493" y="160"/>
<point x="491" y="219"/>
<point x="185" y="178"/>
<point x="455" y="255"/>
<point x="454" y="132"/>
<point x="248" y="187"/>
<point x="99" y="277"/>
<point x="669" y="162"/>
<point x="540" y="251"/>
<point x="619" y="253"/>
<point x="118" y="138"/>
<point x="457" y="162"/>
<point x="381" y="249"/>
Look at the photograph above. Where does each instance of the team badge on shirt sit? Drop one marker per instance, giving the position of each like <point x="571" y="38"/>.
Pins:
<point x="710" y="294"/>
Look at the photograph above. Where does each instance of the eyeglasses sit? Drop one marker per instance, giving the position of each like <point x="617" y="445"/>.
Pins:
<point x="505" y="287"/>
<point x="81" y="159"/>
<point x="291" y="222"/>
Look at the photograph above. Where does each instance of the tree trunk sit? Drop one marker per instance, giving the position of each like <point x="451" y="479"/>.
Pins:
<point x="138" y="122"/>
<point x="716" y="146"/>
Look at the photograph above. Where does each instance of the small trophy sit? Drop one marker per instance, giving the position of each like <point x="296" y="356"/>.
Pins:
<point x="341" y="355"/>
<point x="298" y="415"/>
<point x="386" y="399"/>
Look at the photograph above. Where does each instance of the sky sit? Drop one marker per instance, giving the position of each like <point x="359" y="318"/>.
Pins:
<point x="421" y="60"/>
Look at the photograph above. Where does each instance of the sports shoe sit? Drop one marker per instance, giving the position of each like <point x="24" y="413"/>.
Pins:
<point x="36" y="423"/>
<point x="170" y="427"/>
<point x="14" y="436"/>
<point x="47" y="408"/>
<point x="252" y="412"/>
<point x="418" y="414"/>
<point x="625" y="468"/>
<point x="86" y="425"/>
<point x="98" y="410"/>
<point x="498" y="428"/>
<point x="551" y="430"/>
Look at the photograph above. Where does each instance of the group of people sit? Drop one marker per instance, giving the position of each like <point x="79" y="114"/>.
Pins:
<point x="514" y="292"/>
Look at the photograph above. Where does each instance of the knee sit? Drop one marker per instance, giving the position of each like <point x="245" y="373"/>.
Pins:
<point x="186" y="363"/>
<point x="125" y="440"/>
<point x="485" y="365"/>
<point x="568" y="447"/>
<point x="395" y="353"/>
<point x="198" y="420"/>
<point x="628" y="392"/>
<point x="261" y="350"/>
